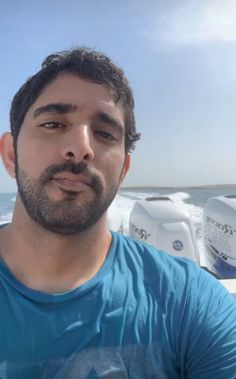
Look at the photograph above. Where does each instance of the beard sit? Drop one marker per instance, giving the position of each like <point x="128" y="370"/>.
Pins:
<point x="67" y="216"/>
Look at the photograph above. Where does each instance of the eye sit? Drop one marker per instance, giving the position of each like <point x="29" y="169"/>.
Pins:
<point x="52" y="125"/>
<point x="106" y="135"/>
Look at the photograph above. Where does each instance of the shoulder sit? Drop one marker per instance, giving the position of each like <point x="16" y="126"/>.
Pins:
<point x="172" y="279"/>
<point x="201" y="310"/>
<point x="157" y="263"/>
<point x="169" y="266"/>
<point x="177" y="273"/>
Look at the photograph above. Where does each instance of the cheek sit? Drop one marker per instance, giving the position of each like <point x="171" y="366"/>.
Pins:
<point x="43" y="150"/>
<point x="32" y="159"/>
<point x="113" y="166"/>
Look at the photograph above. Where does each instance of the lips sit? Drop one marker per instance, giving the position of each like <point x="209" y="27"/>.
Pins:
<point x="71" y="182"/>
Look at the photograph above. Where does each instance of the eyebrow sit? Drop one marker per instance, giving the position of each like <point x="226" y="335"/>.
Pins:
<point x="107" y="119"/>
<point x="60" y="108"/>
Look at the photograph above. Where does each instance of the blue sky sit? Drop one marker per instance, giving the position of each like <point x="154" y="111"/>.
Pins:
<point x="180" y="58"/>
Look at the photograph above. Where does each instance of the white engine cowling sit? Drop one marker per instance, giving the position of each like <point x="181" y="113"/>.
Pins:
<point x="219" y="235"/>
<point x="164" y="224"/>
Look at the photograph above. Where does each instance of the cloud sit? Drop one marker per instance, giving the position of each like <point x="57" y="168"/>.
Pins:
<point x="196" y="22"/>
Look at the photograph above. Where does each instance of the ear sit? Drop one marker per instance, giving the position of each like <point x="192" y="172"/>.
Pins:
<point x="125" y="167"/>
<point x="8" y="153"/>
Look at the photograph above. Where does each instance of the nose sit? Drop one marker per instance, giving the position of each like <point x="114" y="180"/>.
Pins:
<point x="78" y="144"/>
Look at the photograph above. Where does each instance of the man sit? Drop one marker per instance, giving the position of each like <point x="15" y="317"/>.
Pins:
<point x="78" y="301"/>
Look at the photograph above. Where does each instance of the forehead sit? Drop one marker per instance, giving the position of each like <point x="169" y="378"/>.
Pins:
<point x="71" y="89"/>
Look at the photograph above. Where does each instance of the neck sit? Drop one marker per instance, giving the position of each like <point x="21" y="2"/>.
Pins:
<point x="50" y="262"/>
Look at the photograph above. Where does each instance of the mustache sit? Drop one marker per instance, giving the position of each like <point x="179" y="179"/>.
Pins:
<point x="94" y="180"/>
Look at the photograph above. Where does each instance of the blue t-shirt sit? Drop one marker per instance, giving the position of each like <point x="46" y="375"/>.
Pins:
<point x="144" y="315"/>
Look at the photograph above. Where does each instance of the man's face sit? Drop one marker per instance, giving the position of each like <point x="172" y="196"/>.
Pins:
<point x="70" y="155"/>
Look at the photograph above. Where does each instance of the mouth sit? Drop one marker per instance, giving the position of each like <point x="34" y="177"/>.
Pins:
<point x="71" y="182"/>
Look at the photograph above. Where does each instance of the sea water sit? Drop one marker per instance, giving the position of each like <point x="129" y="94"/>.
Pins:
<point x="7" y="201"/>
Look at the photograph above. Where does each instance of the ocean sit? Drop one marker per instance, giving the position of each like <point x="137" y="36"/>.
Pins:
<point x="194" y="199"/>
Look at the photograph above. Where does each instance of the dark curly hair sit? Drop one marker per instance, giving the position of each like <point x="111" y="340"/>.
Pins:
<point x="87" y="64"/>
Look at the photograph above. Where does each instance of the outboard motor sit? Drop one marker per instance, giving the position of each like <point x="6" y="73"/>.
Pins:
<point x="219" y="236"/>
<point x="164" y="224"/>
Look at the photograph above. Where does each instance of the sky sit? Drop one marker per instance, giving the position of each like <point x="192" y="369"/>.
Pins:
<point x="179" y="57"/>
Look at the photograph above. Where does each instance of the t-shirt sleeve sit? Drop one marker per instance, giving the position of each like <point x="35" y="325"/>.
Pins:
<point x="210" y="342"/>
